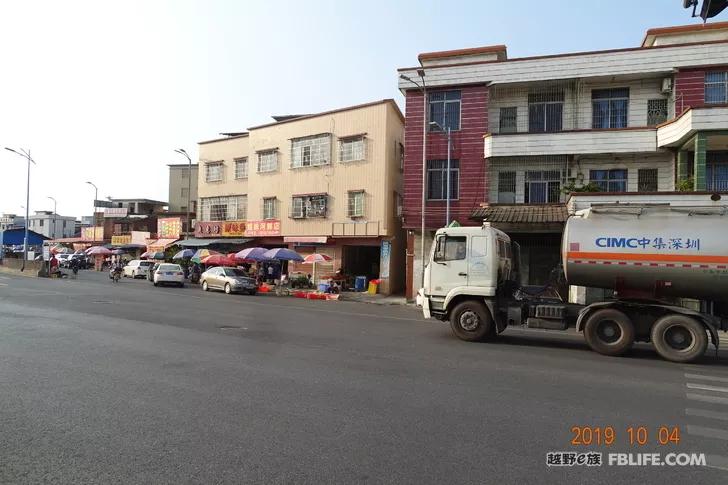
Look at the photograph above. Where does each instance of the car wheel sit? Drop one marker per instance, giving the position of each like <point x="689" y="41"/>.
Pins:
<point x="252" y="292"/>
<point x="228" y="288"/>
<point x="204" y="286"/>
<point x="156" y="284"/>
<point x="679" y="338"/>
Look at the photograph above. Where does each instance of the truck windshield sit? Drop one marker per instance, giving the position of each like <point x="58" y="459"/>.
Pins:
<point x="450" y="248"/>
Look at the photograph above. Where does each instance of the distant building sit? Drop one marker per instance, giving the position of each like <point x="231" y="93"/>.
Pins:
<point x="180" y="178"/>
<point x="11" y="221"/>
<point x="52" y="225"/>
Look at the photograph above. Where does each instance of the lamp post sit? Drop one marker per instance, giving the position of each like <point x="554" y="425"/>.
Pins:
<point x="93" y="215"/>
<point x="447" y="190"/>
<point x="25" y="154"/>
<point x="55" y="216"/>
<point x="423" y="88"/>
<point x="182" y="152"/>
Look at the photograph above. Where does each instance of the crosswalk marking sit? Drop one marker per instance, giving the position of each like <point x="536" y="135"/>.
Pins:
<point x="711" y="378"/>
<point x="704" y="387"/>
<point x="704" y="398"/>
<point x="720" y="434"/>
<point x="704" y="413"/>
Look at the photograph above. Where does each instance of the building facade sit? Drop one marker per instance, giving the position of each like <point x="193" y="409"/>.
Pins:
<point x="647" y="119"/>
<point x="52" y="225"/>
<point x="182" y="188"/>
<point x="11" y="221"/>
<point x="327" y="183"/>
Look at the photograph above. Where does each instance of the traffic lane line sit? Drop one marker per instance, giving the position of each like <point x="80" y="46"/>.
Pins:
<point x="704" y="387"/>
<point x="706" y="413"/>
<point x="706" y="377"/>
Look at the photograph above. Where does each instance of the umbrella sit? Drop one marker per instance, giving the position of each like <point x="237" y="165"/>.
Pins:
<point x="145" y="254"/>
<point x="200" y="254"/>
<point x="118" y="251"/>
<point x="156" y="255"/>
<point x="255" y="254"/>
<point x="283" y="254"/>
<point x="98" y="251"/>
<point x="185" y="253"/>
<point x="316" y="258"/>
<point x="219" y="260"/>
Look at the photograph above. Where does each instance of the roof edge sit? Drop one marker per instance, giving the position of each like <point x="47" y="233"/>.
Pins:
<point x="470" y="51"/>
<point x="337" y="110"/>
<point x="678" y="29"/>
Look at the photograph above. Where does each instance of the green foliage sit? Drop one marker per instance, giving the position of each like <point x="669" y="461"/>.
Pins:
<point x="685" y="185"/>
<point x="589" y="187"/>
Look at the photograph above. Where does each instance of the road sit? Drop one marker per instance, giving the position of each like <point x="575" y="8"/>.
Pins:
<point x="129" y="383"/>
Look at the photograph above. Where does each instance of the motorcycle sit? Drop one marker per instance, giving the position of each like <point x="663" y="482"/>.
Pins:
<point x="115" y="274"/>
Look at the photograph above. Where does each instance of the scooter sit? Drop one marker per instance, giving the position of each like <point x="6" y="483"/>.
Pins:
<point x="115" y="274"/>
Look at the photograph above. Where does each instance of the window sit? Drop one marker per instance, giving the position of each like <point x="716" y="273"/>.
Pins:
<point x="270" y="208"/>
<point x="230" y="208"/>
<point x="401" y="155"/>
<point x="241" y="168"/>
<point x="445" y="110"/>
<point x="647" y="180"/>
<point x="609" y="107"/>
<point x="352" y="149"/>
<point x="311" y="151"/>
<point x="437" y="179"/>
<point x="185" y="174"/>
<point x="542" y="187"/>
<point x="213" y="172"/>
<point x="450" y="248"/>
<point x="716" y="176"/>
<point x="545" y="111"/>
<point x="308" y="206"/>
<point x="614" y="180"/>
<point x="716" y="87"/>
<point x="656" y="111"/>
<point x="268" y="161"/>
<point x="184" y="192"/>
<point x="507" y="120"/>
<point x="506" y="187"/>
<point x="356" y="203"/>
<point x="40" y="222"/>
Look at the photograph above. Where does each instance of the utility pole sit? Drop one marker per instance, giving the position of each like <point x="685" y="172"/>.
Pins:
<point x="182" y="152"/>
<point x="93" y="216"/>
<point x="25" y="154"/>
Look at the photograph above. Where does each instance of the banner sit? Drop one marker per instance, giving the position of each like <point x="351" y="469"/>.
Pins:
<point x="385" y="253"/>
<point x="87" y="233"/>
<point x="116" y="212"/>
<point x="271" y="227"/>
<point x="139" y="237"/>
<point x="169" y="228"/>
<point x="208" y="229"/>
<point x="233" y="228"/>
<point x="121" y="240"/>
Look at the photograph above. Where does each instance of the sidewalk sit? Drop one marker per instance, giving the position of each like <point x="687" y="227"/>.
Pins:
<point x="364" y="297"/>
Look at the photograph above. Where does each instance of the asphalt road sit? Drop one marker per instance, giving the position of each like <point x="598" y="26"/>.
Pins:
<point x="129" y="383"/>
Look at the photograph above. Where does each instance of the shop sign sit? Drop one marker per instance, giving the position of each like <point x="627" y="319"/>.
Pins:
<point x="116" y="211"/>
<point x="208" y="229"/>
<point x="120" y="240"/>
<point x="270" y="227"/>
<point x="139" y="237"/>
<point x="169" y="227"/>
<point x="385" y="254"/>
<point x="87" y="233"/>
<point x="233" y="228"/>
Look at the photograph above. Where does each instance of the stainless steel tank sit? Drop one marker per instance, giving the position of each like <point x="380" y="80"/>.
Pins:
<point x="652" y="250"/>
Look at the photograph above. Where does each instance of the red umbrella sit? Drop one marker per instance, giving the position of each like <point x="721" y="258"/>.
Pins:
<point x="219" y="260"/>
<point x="314" y="258"/>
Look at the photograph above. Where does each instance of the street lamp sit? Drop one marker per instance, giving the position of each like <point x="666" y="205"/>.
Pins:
<point x="93" y="215"/>
<point x="423" y="88"/>
<point x="182" y="152"/>
<point x="447" y="191"/>
<point x="25" y="154"/>
<point x="55" y="216"/>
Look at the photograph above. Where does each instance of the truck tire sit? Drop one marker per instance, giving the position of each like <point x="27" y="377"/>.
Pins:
<point x="471" y="321"/>
<point x="679" y="338"/>
<point x="609" y="332"/>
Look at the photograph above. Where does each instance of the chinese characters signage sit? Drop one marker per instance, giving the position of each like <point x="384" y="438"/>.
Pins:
<point x="119" y="240"/>
<point x="169" y="227"/>
<point x="233" y="228"/>
<point x="208" y="229"/>
<point x="116" y="211"/>
<point x="271" y="227"/>
<point x="651" y="243"/>
<point x="87" y="233"/>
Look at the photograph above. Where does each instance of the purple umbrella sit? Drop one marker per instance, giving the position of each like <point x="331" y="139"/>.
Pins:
<point x="254" y="254"/>
<point x="98" y="250"/>
<point x="283" y="254"/>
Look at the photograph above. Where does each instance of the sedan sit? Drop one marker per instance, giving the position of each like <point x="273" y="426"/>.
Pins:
<point x="167" y="273"/>
<point x="229" y="280"/>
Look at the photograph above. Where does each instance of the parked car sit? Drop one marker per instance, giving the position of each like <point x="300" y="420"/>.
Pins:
<point x="83" y="260"/>
<point x="229" y="280"/>
<point x="63" y="260"/>
<point x="168" y="273"/>
<point x="137" y="268"/>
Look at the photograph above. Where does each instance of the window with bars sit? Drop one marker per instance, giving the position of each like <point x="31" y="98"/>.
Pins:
<point x="609" y="107"/>
<point x="445" y="110"/>
<point x="270" y="208"/>
<point x="437" y="179"/>
<point x="268" y="161"/>
<point x="214" y="171"/>
<point x="507" y="120"/>
<point x="507" y="187"/>
<point x="542" y="186"/>
<point x="311" y="151"/>
<point x="308" y="206"/>
<point x="229" y="208"/>
<point x="352" y="149"/>
<point x="545" y="111"/>
<point x="241" y="168"/>
<point x="647" y="180"/>
<point x="614" y="180"/>
<point x="716" y="87"/>
<point x="656" y="111"/>
<point x="356" y="203"/>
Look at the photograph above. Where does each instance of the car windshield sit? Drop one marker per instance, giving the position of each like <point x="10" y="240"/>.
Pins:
<point x="234" y="272"/>
<point x="145" y="263"/>
<point x="170" y="267"/>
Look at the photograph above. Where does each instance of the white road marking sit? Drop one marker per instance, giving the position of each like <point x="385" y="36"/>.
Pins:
<point x="709" y="378"/>
<point x="3" y="284"/>
<point x="719" y="434"/>
<point x="704" y="398"/>
<point x="704" y="413"/>
<point x="703" y="387"/>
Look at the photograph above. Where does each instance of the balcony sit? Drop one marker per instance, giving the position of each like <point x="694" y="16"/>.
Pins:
<point x="678" y="131"/>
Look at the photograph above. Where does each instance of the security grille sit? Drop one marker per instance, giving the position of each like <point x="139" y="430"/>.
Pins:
<point x="308" y="206"/>
<point x="647" y="180"/>
<point x="241" y="168"/>
<point x="214" y="171"/>
<point x="656" y="111"/>
<point x="268" y="161"/>
<point x="311" y="151"/>
<point x="270" y="208"/>
<point x="352" y="149"/>
<point x="716" y="87"/>
<point x="356" y="204"/>
<point x="230" y="208"/>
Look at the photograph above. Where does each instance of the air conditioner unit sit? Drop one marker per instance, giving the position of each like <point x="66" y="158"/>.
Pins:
<point x="666" y="85"/>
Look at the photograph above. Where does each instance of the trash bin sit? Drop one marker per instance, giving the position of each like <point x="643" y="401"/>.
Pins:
<point x="323" y="287"/>
<point x="360" y="283"/>
<point x="373" y="286"/>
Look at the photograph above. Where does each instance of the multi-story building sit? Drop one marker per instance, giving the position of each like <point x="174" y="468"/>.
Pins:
<point x="182" y="188"/>
<point x="326" y="182"/>
<point x="528" y="131"/>
<point x="52" y="225"/>
<point x="11" y="221"/>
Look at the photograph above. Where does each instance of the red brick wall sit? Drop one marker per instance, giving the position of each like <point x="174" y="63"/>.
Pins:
<point x="467" y="147"/>
<point x="690" y="88"/>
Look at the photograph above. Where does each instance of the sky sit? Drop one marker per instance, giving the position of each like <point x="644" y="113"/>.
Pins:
<point x="105" y="91"/>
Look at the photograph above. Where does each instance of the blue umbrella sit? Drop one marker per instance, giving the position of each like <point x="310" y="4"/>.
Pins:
<point x="254" y="254"/>
<point x="185" y="253"/>
<point x="283" y="254"/>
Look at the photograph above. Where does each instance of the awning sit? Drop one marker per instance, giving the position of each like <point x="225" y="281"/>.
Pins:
<point x="161" y="243"/>
<point x="68" y="240"/>
<point x="522" y="213"/>
<point x="195" y="242"/>
<point x="305" y="239"/>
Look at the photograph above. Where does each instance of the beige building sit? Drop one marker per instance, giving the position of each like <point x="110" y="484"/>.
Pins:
<point x="182" y="180"/>
<point x="327" y="183"/>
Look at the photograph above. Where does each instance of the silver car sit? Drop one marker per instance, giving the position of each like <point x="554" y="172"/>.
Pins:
<point x="229" y="280"/>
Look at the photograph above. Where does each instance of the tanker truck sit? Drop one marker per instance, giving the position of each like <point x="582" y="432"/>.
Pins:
<point x="656" y="259"/>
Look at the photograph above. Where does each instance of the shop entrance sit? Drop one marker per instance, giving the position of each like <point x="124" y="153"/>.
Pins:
<point x="361" y="261"/>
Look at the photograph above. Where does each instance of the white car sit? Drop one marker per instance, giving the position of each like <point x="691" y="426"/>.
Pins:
<point x="168" y="273"/>
<point x="137" y="268"/>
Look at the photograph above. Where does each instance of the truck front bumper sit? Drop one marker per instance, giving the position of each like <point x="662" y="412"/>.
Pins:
<point x="424" y="302"/>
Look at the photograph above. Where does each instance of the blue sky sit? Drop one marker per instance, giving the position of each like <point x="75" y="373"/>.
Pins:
<point x="105" y="91"/>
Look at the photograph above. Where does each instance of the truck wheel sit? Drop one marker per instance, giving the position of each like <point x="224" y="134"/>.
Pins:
<point x="609" y="332"/>
<point x="679" y="338"/>
<point x="471" y="321"/>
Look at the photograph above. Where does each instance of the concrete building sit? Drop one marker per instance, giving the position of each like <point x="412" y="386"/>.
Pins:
<point x="52" y="226"/>
<point x="327" y="182"/>
<point x="528" y="131"/>
<point x="183" y="189"/>
<point x="11" y="221"/>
